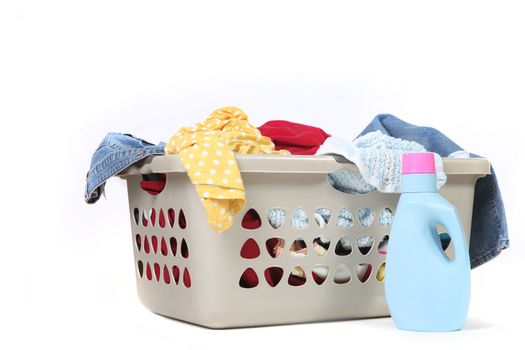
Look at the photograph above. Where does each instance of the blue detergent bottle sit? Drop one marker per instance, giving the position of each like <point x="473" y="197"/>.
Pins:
<point x="424" y="289"/>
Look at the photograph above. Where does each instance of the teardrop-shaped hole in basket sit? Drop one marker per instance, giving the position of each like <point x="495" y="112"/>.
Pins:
<point x="176" y="273"/>
<point x="321" y="245"/>
<point x="149" y="276"/>
<point x="184" y="249"/>
<point x="366" y="217"/>
<point x="364" y="244"/>
<point x="382" y="247"/>
<point x="251" y="220"/>
<point x="145" y="215"/>
<point x="166" y="275"/>
<point x="249" y="279"/>
<point x="146" y="245"/>
<point x="138" y="242"/>
<point x="297" y="277"/>
<point x="162" y="219"/>
<point x="386" y="217"/>
<point x="344" y="218"/>
<point x="136" y="215"/>
<point x="140" y="267"/>
<point x="275" y="246"/>
<point x="342" y="274"/>
<point x="322" y="216"/>
<point x="163" y="247"/>
<point x="156" y="268"/>
<point x="380" y="276"/>
<point x="186" y="278"/>
<point x="250" y="249"/>
<point x="276" y="217"/>
<point x="153" y="216"/>
<point x="154" y="243"/>
<point x="343" y="246"/>
<point x="171" y="217"/>
<point x="273" y="275"/>
<point x="298" y="249"/>
<point x="300" y="219"/>
<point x="173" y="246"/>
<point x="320" y="273"/>
<point x="182" y="219"/>
<point x="363" y="272"/>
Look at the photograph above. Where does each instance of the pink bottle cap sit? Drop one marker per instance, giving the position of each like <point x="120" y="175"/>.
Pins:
<point x="418" y="163"/>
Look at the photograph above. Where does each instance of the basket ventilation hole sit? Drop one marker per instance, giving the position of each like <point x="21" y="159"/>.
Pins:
<point x="342" y="274"/>
<point x="321" y="245"/>
<point x="249" y="279"/>
<point x="273" y="275"/>
<point x="176" y="274"/>
<point x="276" y="217"/>
<point x="171" y="217"/>
<point x="344" y="218"/>
<point x="182" y="219"/>
<point x="140" y="266"/>
<point x="173" y="246"/>
<point x="386" y="217"/>
<point x="250" y="249"/>
<point x="322" y="216"/>
<point x="148" y="272"/>
<point x="162" y="219"/>
<point x="136" y="215"/>
<point x="363" y="272"/>
<point x="320" y="273"/>
<point x="298" y="248"/>
<point x="380" y="276"/>
<point x="146" y="245"/>
<point x="445" y="242"/>
<point x="144" y="218"/>
<point x="138" y="241"/>
<point x="156" y="267"/>
<point x="166" y="275"/>
<point x="184" y="249"/>
<point x="366" y="217"/>
<point x="163" y="247"/>
<point x="154" y="243"/>
<point x="343" y="246"/>
<point x="297" y="276"/>
<point x="364" y="244"/>
<point x="153" y="216"/>
<point x="300" y="219"/>
<point x="251" y="220"/>
<point x="186" y="278"/>
<point x="275" y="246"/>
<point x="382" y="248"/>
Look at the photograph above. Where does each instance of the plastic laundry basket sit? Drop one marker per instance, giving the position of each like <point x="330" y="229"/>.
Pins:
<point x="186" y="271"/>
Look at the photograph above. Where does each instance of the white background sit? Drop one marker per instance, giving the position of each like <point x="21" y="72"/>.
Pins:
<point x="72" y="71"/>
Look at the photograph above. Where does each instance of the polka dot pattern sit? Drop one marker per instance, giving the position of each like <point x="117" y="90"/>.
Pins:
<point x="207" y="152"/>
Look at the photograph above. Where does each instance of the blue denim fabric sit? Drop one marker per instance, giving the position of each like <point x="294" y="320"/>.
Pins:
<point x="114" y="154"/>
<point x="489" y="234"/>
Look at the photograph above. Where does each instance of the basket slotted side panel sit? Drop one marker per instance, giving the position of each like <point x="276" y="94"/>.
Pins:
<point x="215" y="298"/>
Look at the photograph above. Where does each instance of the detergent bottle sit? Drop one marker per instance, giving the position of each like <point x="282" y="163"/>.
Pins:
<point x="424" y="289"/>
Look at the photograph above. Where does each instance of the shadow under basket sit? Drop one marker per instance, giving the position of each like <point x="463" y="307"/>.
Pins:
<point x="330" y="266"/>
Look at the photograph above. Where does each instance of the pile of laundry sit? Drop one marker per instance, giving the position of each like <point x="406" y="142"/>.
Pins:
<point x="207" y="151"/>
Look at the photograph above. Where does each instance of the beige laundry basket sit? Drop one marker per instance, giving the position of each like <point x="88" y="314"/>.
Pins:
<point x="186" y="271"/>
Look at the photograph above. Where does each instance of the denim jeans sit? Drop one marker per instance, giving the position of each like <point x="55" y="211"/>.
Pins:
<point x="115" y="153"/>
<point x="489" y="234"/>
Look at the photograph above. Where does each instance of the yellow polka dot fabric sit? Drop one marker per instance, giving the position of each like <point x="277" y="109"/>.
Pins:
<point x="206" y="151"/>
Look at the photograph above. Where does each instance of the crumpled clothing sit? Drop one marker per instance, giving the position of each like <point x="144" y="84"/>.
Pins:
<point x="206" y="151"/>
<point x="489" y="232"/>
<point x="295" y="137"/>
<point x="378" y="158"/>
